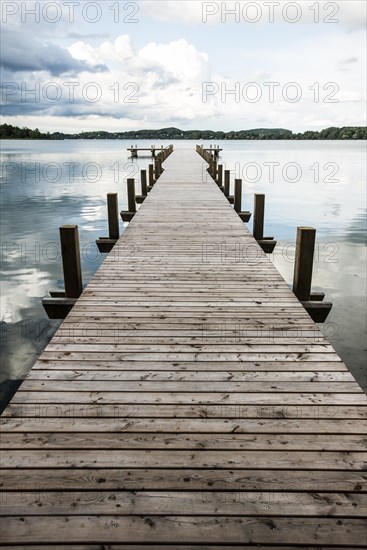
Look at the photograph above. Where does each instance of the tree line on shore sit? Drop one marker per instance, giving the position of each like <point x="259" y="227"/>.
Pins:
<point x="7" y="131"/>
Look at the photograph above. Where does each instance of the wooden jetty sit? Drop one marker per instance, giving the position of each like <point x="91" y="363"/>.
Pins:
<point x="153" y="150"/>
<point x="212" y="150"/>
<point x="188" y="400"/>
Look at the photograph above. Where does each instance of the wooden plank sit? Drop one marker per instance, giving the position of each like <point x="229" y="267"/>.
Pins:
<point x="269" y="367"/>
<point x="186" y="398"/>
<point x="207" y="426"/>
<point x="201" y="503"/>
<point x="186" y="529"/>
<point x="197" y="376"/>
<point x="188" y="386"/>
<point x="224" y="411"/>
<point x="185" y="479"/>
<point x="123" y="437"/>
<point x="293" y="460"/>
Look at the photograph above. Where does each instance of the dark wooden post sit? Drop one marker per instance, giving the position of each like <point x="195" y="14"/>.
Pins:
<point x="215" y="168"/>
<point x="156" y="168"/>
<point x="151" y="175"/>
<point x="220" y="175"/>
<point x="303" y="264"/>
<point x="227" y="181"/>
<point x="210" y="169"/>
<point x="113" y="215"/>
<point x="258" y="220"/>
<point x="143" y="178"/>
<point x="131" y="195"/>
<point x="70" y="251"/>
<point x="237" y="195"/>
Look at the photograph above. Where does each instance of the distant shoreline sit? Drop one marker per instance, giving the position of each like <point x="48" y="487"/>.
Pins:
<point x="345" y="133"/>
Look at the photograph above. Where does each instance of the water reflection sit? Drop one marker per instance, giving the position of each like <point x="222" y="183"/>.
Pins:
<point x="49" y="184"/>
<point x="357" y="230"/>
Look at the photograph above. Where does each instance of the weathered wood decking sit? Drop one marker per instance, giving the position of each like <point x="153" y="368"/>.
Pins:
<point x="188" y="400"/>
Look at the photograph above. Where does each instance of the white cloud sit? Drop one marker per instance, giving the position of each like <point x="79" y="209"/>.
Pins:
<point x="153" y="86"/>
<point x="172" y="10"/>
<point x="349" y="13"/>
<point x="181" y="59"/>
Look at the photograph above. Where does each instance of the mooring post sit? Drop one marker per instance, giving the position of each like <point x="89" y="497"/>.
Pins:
<point x="156" y="168"/>
<point x="237" y="195"/>
<point x="210" y="168"/>
<point x="302" y="278"/>
<point x="60" y="302"/>
<point x="70" y="251"/>
<point x="131" y="194"/>
<point x="113" y="216"/>
<point x="144" y="190"/>
<point x="143" y="178"/>
<point x="105" y="244"/>
<point x="220" y="175"/>
<point x="151" y="175"/>
<point x="267" y="243"/>
<point x="127" y="215"/>
<point x="227" y="181"/>
<point x="258" y="219"/>
<point x="215" y="169"/>
<point x="303" y="264"/>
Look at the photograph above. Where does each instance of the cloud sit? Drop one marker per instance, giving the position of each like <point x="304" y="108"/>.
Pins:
<point x="158" y="83"/>
<point x="171" y="10"/>
<point x="181" y="59"/>
<point x="349" y="13"/>
<point x="23" y="52"/>
<point x="349" y="61"/>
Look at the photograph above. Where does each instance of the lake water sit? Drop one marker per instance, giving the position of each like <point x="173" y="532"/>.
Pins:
<point x="46" y="184"/>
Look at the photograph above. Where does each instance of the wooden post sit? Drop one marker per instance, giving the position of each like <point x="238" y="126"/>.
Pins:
<point x="210" y="169"/>
<point x="258" y="220"/>
<point x="156" y="168"/>
<point x="131" y="195"/>
<point x="70" y="251"/>
<point x="220" y="175"/>
<point x="215" y="169"/>
<point x="143" y="179"/>
<point x="113" y="216"/>
<point x="151" y="175"/>
<point x="303" y="263"/>
<point x="227" y="181"/>
<point x="237" y="195"/>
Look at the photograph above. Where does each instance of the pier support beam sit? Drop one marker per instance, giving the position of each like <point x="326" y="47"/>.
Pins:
<point x="105" y="244"/>
<point x="266" y="243"/>
<point x="60" y="303"/>
<point x="302" y="278"/>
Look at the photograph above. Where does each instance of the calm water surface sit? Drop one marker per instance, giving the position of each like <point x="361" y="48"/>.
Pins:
<point x="48" y="184"/>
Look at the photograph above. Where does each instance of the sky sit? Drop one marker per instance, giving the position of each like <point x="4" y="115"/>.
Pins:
<point x="74" y="66"/>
